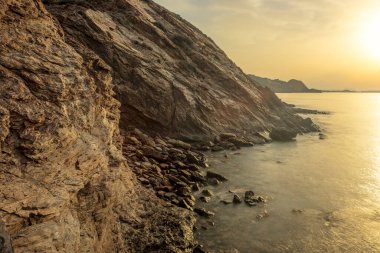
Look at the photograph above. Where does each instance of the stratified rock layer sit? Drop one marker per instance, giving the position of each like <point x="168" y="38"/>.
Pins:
<point x="64" y="184"/>
<point x="169" y="76"/>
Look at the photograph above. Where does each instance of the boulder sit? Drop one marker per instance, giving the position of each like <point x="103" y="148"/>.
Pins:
<point x="207" y="193"/>
<point x="283" y="134"/>
<point x="203" y="212"/>
<point x="236" y="199"/>
<point x="239" y="142"/>
<point x="217" y="176"/>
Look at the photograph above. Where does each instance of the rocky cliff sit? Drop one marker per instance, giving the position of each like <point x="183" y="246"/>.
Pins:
<point x="71" y="73"/>
<point x="168" y="75"/>
<point x="276" y="85"/>
<point x="64" y="185"/>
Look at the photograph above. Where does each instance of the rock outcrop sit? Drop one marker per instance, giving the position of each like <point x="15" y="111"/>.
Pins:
<point x="71" y="73"/>
<point x="64" y="184"/>
<point x="279" y="86"/>
<point x="169" y="76"/>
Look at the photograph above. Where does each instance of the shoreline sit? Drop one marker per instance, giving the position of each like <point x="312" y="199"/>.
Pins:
<point x="177" y="172"/>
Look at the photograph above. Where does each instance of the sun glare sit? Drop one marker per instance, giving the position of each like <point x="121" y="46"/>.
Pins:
<point x="370" y="36"/>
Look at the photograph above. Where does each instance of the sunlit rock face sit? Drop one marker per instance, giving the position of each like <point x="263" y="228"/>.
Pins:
<point x="64" y="185"/>
<point x="169" y="76"/>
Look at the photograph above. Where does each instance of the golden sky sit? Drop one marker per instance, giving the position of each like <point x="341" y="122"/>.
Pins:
<point x="329" y="44"/>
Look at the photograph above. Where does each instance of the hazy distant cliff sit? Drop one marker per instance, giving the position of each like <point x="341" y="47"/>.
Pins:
<point x="276" y="85"/>
<point x="72" y="72"/>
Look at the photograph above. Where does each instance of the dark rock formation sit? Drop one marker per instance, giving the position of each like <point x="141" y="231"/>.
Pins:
<point x="169" y="76"/>
<point x="276" y="85"/>
<point x="283" y="135"/>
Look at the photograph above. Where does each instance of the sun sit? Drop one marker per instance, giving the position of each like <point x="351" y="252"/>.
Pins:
<point x="370" y="36"/>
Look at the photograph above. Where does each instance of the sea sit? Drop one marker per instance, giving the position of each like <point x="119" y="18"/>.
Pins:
<point x="322" y="195"/>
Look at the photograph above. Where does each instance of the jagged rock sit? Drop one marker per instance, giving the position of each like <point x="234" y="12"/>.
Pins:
<point x="213" y="181"/>
<point x="226" y="202"/>
<point x="157" y="56"/>
<point x="64" y="183"/>
<point x="199" y="249"/>
<point x="207" y="193"/>
<point x="252" y="200"/>
<point x="236" y="199"/>
<point x="203" y="212"/>
<point x="204" y="199"/>
<point x="238" y="142"/>
<point x="192" y="158"/>
<point x="61" y="69"/>
<point x="217" y="176"/>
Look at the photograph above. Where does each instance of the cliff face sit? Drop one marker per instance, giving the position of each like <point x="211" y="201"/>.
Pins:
<point x="64" y="185"/>
<point x="276" y="85"/>
<point x="169" y="76"/>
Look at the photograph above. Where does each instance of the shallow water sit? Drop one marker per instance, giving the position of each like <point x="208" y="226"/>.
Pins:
<point x="335" y="182"/>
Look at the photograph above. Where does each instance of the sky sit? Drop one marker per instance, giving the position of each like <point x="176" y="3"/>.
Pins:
<point x="328" y="44"/>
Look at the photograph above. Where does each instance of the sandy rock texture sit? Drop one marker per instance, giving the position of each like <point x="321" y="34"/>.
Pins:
<point x="169" y="76"/>
<point x="64" y="184"/>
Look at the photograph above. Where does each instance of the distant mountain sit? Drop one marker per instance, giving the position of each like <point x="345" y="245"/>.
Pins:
<point x="276" y="85"/>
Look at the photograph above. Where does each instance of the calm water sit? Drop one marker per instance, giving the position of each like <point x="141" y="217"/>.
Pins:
<point x="336" y="182"/>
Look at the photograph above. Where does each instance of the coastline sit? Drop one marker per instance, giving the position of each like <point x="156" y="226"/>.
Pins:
<point x="177" y="172"/>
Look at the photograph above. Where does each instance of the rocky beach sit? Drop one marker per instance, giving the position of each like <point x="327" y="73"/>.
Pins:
<point x="106" y="111"/>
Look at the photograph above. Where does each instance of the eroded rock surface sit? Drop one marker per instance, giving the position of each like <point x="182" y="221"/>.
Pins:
<point x="169" y="76"/>
<point x="64" y="184"/>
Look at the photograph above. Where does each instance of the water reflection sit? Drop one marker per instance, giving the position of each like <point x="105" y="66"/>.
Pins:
<point x="333" y="185"/>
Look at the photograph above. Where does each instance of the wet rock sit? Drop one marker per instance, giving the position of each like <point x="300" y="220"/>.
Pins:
<point x="196" y="187"/>
<point x="226" y="202"/>
<point x="184" y="191"/>
<point x="204" y="148"/>
<point x="199" y="249"/>
<point x="185" y="204"/>
<point x="263" y="135"/>
<point x="207" y="193"/>
<point x="203" y="212"/>
<point x="322" y="136"/>
<point x="217" y="148"/>
<point x="227" y="145"/>
<point x="192" y="158"/>
<point x="204" y="199"/>
<point x="263" y="215"/>
<point x="252" y="200"/>
<point x="236" y="199"/>
<point x="283" y="134"/>
<point x="217" y="176"/>
<point x="193" y="167"/>
<point x="213" y="181"/>
<point x="239" y="142"/>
